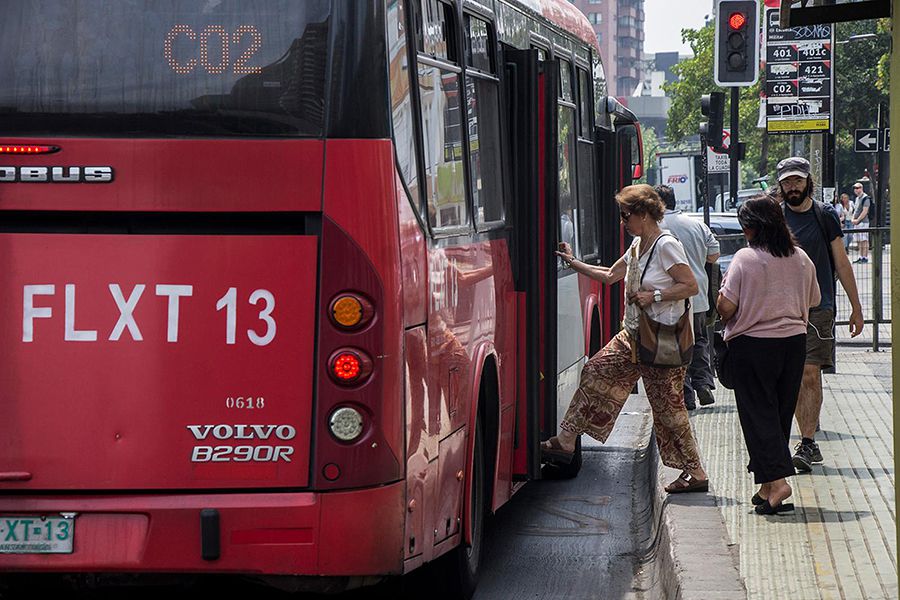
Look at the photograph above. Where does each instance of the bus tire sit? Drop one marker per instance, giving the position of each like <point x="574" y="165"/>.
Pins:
<point x="461" y="567"/>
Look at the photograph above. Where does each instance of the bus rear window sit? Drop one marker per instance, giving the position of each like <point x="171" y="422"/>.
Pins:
<point x="163" y="67"/>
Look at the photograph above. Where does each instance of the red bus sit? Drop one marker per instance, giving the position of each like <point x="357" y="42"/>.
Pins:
<point x="279" y="298"/>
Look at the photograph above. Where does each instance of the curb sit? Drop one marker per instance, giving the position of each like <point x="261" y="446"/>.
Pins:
<point x="693" y="559"/>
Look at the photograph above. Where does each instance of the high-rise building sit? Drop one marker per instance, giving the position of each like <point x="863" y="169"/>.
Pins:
<point x="619" y="25"/>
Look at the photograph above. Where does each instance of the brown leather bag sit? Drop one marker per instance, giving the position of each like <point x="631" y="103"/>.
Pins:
<point x="660" y="345"/>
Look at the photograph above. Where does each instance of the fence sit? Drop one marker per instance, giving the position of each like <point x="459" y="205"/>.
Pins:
<point x="873" y="282"/>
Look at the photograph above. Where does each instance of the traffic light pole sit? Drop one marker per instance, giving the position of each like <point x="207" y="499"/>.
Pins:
<point x="734" y="150"/>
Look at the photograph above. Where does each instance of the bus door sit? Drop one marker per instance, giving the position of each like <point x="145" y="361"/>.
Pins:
<point x="532" y="131"/>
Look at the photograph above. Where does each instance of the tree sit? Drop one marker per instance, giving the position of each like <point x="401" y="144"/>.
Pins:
<point x="695" y="78"/>
<point x="861" y="83"/>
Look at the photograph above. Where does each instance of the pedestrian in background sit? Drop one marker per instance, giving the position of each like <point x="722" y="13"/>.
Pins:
<point x="701" y="247"/>
<point x="861" y="219"/>
<point x="845" y="213"/>
<point x="765" y="301"/>
<point x="658" y="280"/>
<point x="816" y="228"/>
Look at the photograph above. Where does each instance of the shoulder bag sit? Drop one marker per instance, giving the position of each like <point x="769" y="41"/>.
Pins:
<point x="661" y="345"/>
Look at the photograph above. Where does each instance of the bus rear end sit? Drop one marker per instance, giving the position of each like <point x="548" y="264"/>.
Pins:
<point x="199" y="312"/>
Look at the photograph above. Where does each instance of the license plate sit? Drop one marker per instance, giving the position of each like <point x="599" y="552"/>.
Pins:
<point x="36" y="535"/>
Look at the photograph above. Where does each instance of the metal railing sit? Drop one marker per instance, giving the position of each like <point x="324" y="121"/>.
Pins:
<point x="873" y="282"/>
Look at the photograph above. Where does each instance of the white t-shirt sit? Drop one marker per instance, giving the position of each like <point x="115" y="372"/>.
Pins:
<point x="668" y="253"/>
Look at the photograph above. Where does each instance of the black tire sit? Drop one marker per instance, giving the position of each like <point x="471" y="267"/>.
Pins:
<point x="569" y="471"/>
<point x="461" y="566"/>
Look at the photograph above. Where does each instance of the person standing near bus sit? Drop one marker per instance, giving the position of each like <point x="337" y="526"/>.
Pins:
<point x="817" y="230"/>
<point x="658" y="280"/>
<point x="764" y="302"/>
<point x="701" y="247"/>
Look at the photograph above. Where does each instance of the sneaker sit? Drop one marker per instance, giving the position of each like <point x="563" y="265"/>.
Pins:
<point x="805" y="455"/>
<point x="861" y="260"/>
<point x="815" y="453"/>
<point x="705" y="396"/>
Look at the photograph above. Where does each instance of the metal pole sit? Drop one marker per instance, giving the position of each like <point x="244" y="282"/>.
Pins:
<point x="734" y="147"/>
<point x="879" y="181"/>
<point x="877" y="302"/>
<point x="704" y="178"/>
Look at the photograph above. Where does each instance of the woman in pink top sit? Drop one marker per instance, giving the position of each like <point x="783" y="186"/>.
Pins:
<point x="765" y="302"/>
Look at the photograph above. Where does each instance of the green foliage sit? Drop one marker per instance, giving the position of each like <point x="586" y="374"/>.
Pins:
<point x="862" y="83"/>
<point x="862" y="71"/>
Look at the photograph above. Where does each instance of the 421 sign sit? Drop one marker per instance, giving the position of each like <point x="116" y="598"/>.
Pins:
<point x="799" y="90"/>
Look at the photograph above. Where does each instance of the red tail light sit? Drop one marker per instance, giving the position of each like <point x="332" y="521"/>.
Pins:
<point x="350" y="367"/>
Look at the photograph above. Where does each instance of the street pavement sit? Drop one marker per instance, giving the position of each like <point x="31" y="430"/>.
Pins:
<point x="841" y="540"/>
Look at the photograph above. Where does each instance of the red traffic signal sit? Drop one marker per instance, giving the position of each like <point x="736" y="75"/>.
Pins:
<point x="737" y="21"/>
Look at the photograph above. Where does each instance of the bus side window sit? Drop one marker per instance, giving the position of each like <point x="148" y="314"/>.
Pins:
<point x="403" y="118"/>
<point x="587" y="210"/>
<point x="566" y="162"/>
<point x="483" y="121"/>
<point x="440" y="97"/>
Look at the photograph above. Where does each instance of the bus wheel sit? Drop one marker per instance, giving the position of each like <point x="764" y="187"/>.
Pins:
<point x="569" y="471"/>
<point x="462" y="565"/>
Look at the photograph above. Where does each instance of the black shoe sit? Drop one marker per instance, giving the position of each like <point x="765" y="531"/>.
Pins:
<point x="816" y="454"/>
<point x="705" y="396"/>
<point x="767" y="509"/>
<point x="690" y="405"/>
<point x="803" y="456"/>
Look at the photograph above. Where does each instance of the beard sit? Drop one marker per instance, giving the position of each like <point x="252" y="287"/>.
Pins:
<point x="795" y="197"/>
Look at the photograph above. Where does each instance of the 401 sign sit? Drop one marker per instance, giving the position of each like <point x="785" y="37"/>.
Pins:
<point x="799" y="90"/>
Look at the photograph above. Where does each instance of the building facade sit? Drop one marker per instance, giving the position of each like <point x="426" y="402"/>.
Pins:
<point x="619" y="25"/>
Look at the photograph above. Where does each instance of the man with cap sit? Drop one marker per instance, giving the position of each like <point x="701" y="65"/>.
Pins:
<point x="860" y="219"/>
<point x="818" y="231"/>
<point x="701" y="247"/>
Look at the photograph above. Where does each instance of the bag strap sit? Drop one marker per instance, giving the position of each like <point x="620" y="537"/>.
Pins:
<point x="650" y="254"/>
<point x="687" y="301"/>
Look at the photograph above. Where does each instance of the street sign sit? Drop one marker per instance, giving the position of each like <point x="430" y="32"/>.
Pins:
<point x="799" y="90"/>
<point x="886" y="143"/>
<point x="719" y="162"/>
<point x="866" y="140"/>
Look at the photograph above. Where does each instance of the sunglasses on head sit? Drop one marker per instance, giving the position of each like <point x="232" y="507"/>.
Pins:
<point x="625" y="215"/>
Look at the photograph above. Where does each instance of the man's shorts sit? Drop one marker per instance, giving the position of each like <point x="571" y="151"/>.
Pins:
<point x="820" y="338"/>
<point x="861" y="237"/>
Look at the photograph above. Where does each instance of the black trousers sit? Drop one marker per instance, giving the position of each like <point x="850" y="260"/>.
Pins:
<point x="699" y="373"/>
<point x="767" y="376"/>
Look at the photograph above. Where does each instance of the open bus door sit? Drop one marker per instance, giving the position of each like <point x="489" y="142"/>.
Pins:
<point x="619" y="162"/>
<point x="531" y="108"/>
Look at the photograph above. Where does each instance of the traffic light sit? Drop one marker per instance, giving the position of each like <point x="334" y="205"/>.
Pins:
<point x="737" y="43"/>
<point x="713" y="108"/>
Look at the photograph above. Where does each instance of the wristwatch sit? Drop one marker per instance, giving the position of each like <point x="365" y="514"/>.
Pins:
<point x="657" y="295"/>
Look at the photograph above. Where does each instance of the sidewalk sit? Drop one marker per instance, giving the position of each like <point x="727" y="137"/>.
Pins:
<point x="841" y="541"/>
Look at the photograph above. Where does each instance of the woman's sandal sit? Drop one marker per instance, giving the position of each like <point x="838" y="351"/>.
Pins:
<point x="767" y="509"/>
<point x="687" y="483"/>
<point x="756" y="500"/>
<point x="552" y="451"/>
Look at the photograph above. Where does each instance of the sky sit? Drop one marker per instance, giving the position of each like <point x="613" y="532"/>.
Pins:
<point x="664" y="20"/>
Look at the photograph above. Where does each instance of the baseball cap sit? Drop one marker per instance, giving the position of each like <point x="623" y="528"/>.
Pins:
<point x="795" y="165"/>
